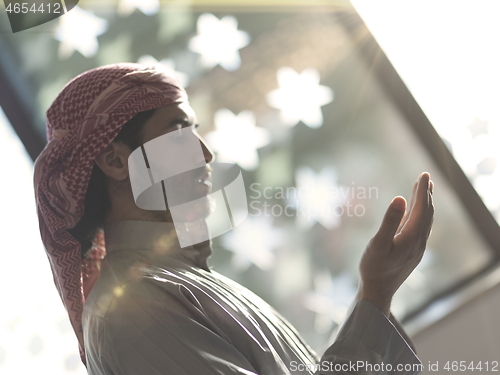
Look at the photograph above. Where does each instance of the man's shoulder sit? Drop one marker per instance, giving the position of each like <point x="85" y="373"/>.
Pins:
<point x="136" y="286"/>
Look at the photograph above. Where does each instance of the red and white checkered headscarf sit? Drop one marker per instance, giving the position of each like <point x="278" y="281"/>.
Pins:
<point x="83" y="120"/>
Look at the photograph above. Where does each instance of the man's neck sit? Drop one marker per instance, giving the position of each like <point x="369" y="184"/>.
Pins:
<point x="156" y="240"/>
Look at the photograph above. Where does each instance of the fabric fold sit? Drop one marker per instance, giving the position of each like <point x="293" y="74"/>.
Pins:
<point x="85" y="118"/>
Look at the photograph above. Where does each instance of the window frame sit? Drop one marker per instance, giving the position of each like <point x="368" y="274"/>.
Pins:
<point x="396" y="90"/>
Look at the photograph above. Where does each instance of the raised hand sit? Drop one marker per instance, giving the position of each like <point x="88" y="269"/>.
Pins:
<point x="398" y="246"/>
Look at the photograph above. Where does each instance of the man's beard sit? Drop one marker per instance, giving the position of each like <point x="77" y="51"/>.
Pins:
<point x="189" y="195"/>
<point x="201" y="209"/>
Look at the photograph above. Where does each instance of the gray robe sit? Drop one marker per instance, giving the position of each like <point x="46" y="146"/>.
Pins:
<point x="158" y="309"/>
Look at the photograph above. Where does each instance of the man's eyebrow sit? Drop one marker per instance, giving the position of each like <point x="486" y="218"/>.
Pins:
<point x="179" y="120"/>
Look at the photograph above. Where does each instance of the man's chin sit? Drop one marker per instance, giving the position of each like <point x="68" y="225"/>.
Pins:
<point x="201" y="209"/>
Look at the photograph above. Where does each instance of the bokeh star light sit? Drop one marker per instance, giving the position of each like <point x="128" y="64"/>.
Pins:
<point x="218" y="41"/>
<point x="300" y="97"/>
<point x="236" y="138"/>
<point x="78" y="31"/>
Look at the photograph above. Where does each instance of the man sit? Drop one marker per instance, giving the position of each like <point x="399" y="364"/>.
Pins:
<point x="156" y="307"/>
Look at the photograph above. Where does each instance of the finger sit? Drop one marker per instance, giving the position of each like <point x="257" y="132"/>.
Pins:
<point x="428" y="225"/>
<point x="426" y="231"/>
<point x="410" y="206"/>
<point x="413" y="194"/>
<point x="390" y="223"/>
<point x="419" y="215"/>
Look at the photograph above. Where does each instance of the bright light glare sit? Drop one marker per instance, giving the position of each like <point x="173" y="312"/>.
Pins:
<point x="78" y="30"/>
<point x="218" y="41"/>
<point x="299" y="97"/>
<point x="446" y="52"/>
<point x="236" y="138"/>
<point x="35" y="333"/>
<point x="148" y="7"/>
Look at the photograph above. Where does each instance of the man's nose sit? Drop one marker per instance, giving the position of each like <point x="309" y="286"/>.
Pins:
<point x="207" y="153"/>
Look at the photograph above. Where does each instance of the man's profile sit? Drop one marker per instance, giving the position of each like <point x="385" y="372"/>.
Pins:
<point x="154" y="306"/>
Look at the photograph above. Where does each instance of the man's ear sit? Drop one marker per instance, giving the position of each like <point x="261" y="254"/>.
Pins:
<point x="113" y="160"/>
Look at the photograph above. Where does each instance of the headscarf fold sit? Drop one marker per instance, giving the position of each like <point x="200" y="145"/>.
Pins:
<point x="82" y="121"/>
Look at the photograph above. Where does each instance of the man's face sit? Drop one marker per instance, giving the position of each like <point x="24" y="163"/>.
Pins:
<point x="190" y="185"/>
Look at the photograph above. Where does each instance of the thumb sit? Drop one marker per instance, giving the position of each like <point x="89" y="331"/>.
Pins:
<point x="390" y="222"/>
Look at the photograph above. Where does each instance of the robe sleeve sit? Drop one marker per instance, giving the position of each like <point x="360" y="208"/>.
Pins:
<point x="369" y="343"/>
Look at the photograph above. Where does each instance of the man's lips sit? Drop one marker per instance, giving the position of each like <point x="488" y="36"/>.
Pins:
<point x="205" y="177"/>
